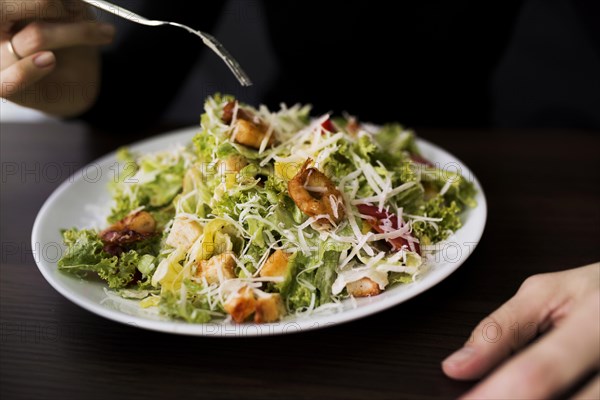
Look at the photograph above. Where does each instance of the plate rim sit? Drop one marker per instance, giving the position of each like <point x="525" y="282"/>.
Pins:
<point x="218" y="329"/>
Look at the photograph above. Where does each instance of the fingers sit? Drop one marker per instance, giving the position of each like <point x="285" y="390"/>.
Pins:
<point x="550" y="365"/>
<point x="13" y="11"/>
<point x="590" y="391"/>
<point x="43" y="36"/>
<point x="542" y="301"/>
<point x="507" y="329"/>
<point x="40" y="36"/>
<point x="25" y="73"/>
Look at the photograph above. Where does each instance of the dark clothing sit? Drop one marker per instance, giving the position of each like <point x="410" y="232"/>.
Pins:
<point x="423" y="63"/>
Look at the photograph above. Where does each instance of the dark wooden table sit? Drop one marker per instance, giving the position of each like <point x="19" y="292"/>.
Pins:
<point x="543" y="193"/>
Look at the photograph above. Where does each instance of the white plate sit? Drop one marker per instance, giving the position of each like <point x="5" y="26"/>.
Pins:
<point x="83" y="201"/>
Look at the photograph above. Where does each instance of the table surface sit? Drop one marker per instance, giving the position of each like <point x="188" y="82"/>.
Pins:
<point x="543" y="195"/>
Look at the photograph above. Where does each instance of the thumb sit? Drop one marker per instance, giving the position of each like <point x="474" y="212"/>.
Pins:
<point x="25" y="73"/>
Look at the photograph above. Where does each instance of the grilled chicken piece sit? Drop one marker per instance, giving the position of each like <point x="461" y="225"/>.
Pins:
<point x="241" y="304"/>
<point x="217" y="269"/>
<point x="268" y="308"/>
<point x="276" y="265"/>
<point x="363" y="288"/>
<point x="184" y="233"/>
<point x="248" y="130"/>
<point x="133" y="228"/>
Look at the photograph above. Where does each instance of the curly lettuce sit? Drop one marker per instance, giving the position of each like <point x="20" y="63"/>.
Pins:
<point x="85" y="254"/>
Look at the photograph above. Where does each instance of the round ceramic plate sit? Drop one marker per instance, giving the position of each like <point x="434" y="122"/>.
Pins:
<point x="83" y="201"/>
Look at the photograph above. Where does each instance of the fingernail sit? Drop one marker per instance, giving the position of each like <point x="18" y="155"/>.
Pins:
<point x="107" y="30"/>
<point x="44" y="60"/>
<point x="460" y="356"/>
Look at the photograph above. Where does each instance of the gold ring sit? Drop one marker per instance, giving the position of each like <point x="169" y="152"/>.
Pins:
<point x="12" y="50"/>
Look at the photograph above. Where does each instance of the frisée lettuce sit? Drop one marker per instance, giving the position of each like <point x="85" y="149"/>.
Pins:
<point x="267" y="215"/>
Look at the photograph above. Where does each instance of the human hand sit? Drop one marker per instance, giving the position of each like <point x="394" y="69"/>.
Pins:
<point x="55" y="65"/>
<point x="565" y="305"/>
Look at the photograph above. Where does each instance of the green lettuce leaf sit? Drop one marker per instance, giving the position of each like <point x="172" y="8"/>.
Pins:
<point x="151" y="181"/>
<point x="310" y="275"/>
<point x="461" y="190"/>
<point x="437" y="208"/>
<point x="85" y="254"/>
<point x="326" y="274"/>
<point x="195" y="308"/>
<point x="394" y="139"/>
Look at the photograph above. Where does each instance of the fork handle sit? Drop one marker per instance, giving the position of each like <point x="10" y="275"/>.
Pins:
<point x="122" y="12"/>
<point x="208" y="40"/>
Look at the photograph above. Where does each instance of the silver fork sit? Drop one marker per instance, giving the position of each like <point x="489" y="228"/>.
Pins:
<point x="207" y="39"/>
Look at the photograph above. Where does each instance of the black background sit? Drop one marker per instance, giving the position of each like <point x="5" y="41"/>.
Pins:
<point x="432" y="63"/>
